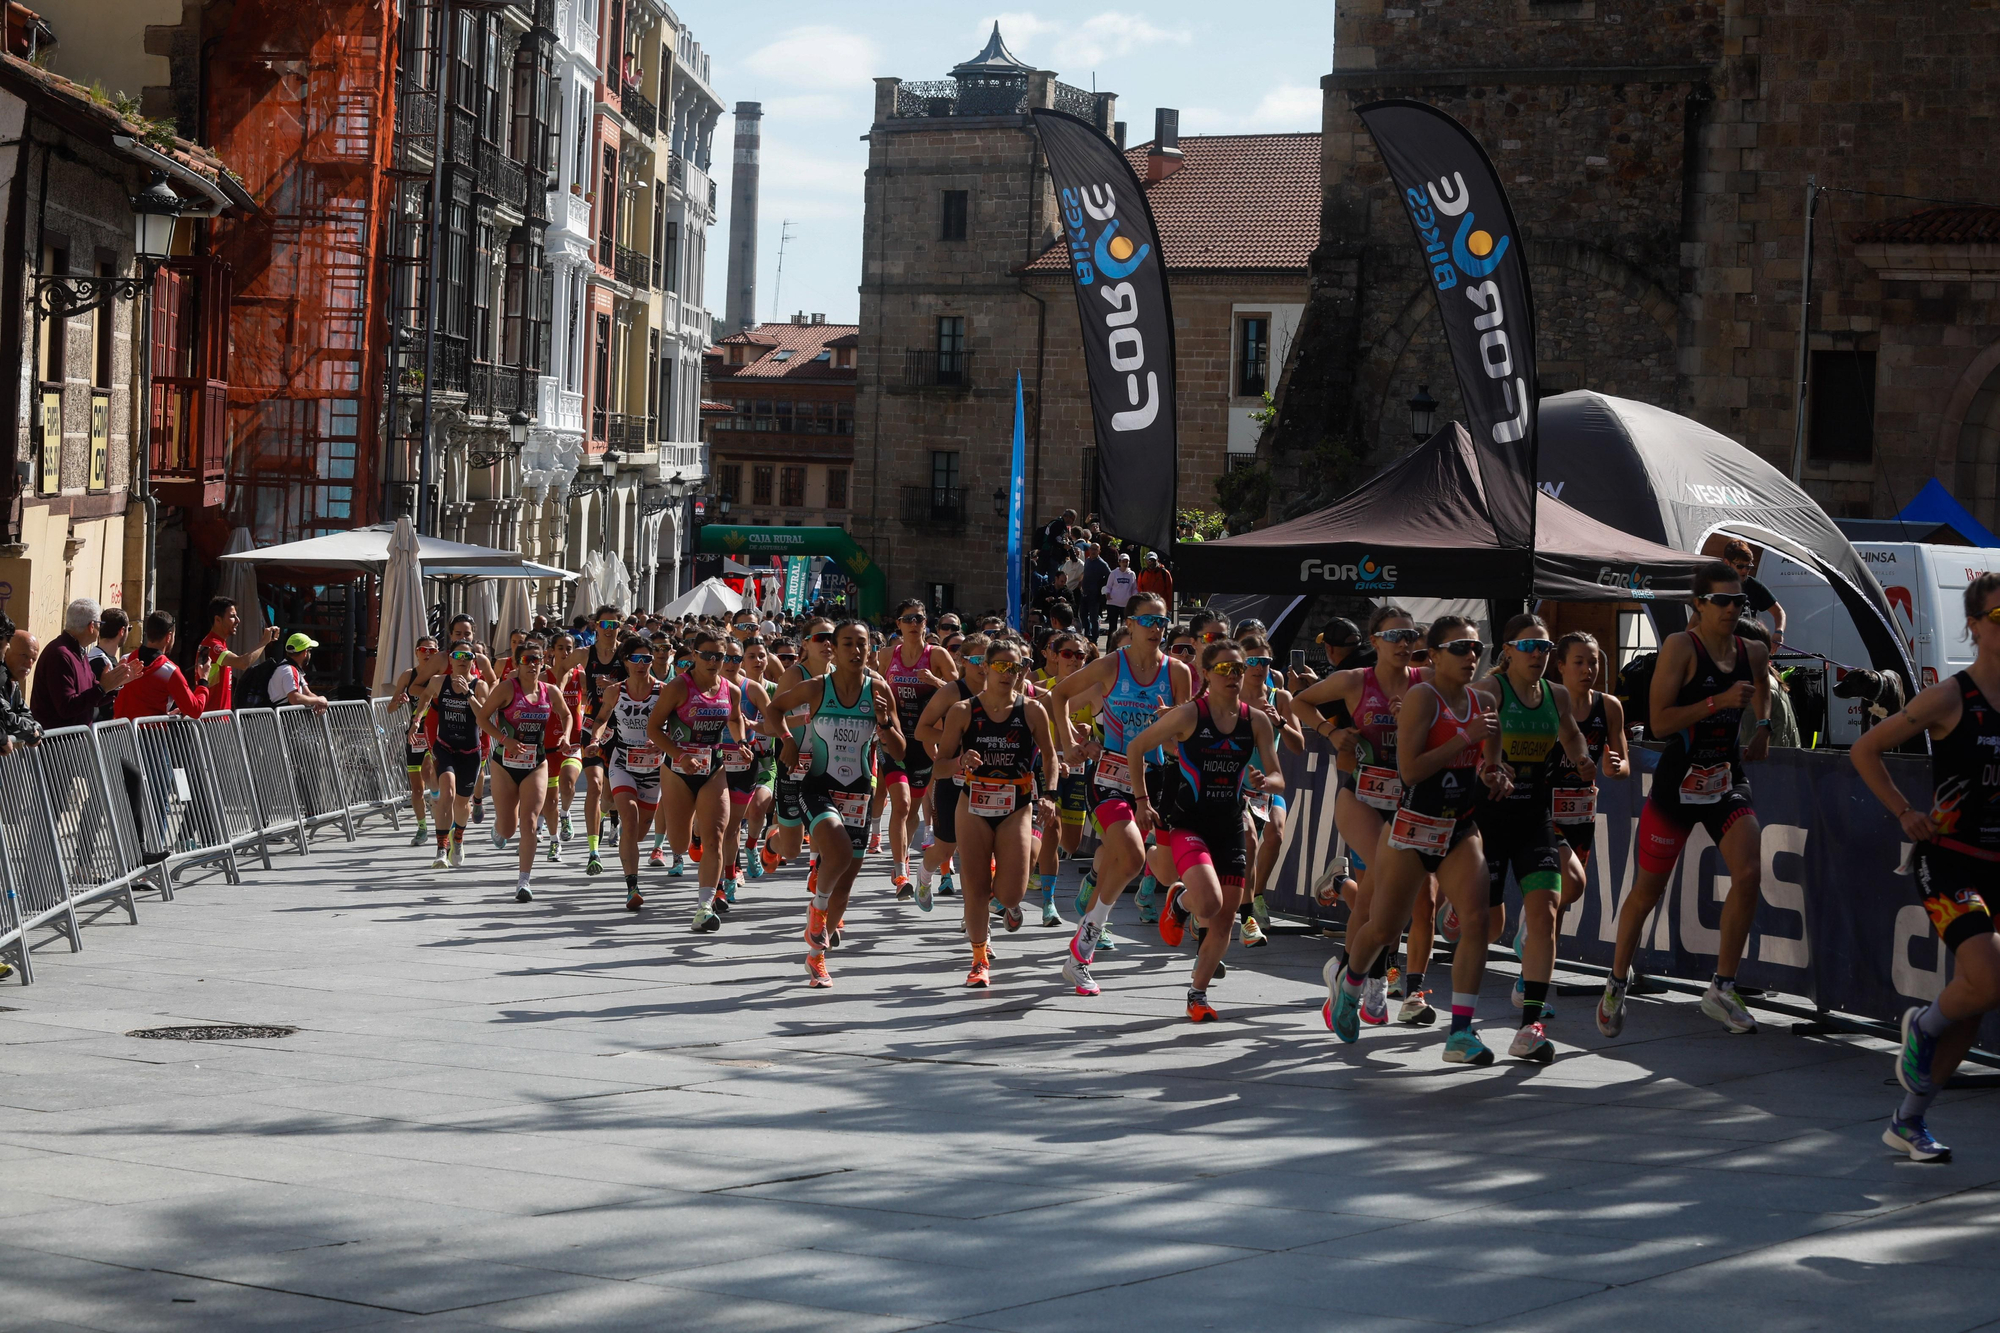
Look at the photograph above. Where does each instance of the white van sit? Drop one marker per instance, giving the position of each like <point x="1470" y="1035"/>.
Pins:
<point x="1926" y="588"/>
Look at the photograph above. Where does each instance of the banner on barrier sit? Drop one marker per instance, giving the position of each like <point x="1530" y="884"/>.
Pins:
<point x="1835" y="922"/>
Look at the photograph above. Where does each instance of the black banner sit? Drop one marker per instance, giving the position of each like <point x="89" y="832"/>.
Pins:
<point x="1127" y="324"/>
<point x="1479" y="274"/>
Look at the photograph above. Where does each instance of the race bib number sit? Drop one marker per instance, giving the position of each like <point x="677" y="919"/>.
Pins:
<point x="1259" y="803"/>
<point x="519" y="754"/>
<point x="419" y="742"/>
<point x="1705" y="784"/>
<point x="695" y="763"/>
<point x="994" y="799"/>
<point x="803" y="764"/>
<point x="1379" y="788"/>
<point x="1114" y="770"/>
<point x="852" y="807"/>
<point x="643" y="759"/>
<point x="1573" y="805"/>
<point x="735" y="758"/>
<point x="1430" y="834"/>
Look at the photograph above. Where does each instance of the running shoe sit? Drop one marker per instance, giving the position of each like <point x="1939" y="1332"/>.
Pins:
<point x="694" y="851"/>
<point x="1149" y="909"/>
<point x="755" y="870"/>
<point x="1105" y="944"/>
<point x="1518" y="997"/>
<point x="457" y="852"/>
<point x="812" y="877"/>
<point x="657" y="857"/>
<point x="1261" y="909"/>
<point x="1086" y="893"/>
<point x="440" y="861"/>
<point x="1173" y="922"/>
<point x="815" y="933"/>
<point x="945" y="887"/>
<point x="1912" y="1137"/>
<point x="833" y="933"/>
<point x="706" y="921"/>
<point x="1341" y="1012"/>
<point x="1611" y="1010"/>
<point x="418" y="839"/>
<point x="904" y="891"/>
<point x="980" y="977"/>
<point x="874" y="841"/>
<point x="1416" y="1011"/>
<point x="1050" y="916"/>
<point x="555" y="852"/>
<point x="1077" y="975"/>
<point x="1012" y="917"/>
<point x="926" y="897"/>
<point x="499" y="838"/>
<point x="1913" y="1067"/>
<point x="524" y="894"/>
<point x="479" y="812"/>
<point x="1221" y="969"/>
<point x="1200" y="1011"/>
<point x="1726" y="1008"/>
<point x="1394" y="990"/>
<point x="1253" y="936"/>
<point x="1532" y="1044"/>
<point x="1374" y="1002"/>
<point x="634" y="901"/>
<point x="677" y="869"/>
<point x="1083" y="945"/>
<point x="728" y="890"/>
<point x="1447" y="923"/>
<point x="1465" y="1048"/>
<point x="567" y="834"/>
<point x="768" y="855"/>
<point x="594" y="866"/>
<point x="816" y="974"/>
<point x="925" y="838"/>
<point x="719" y="904"/>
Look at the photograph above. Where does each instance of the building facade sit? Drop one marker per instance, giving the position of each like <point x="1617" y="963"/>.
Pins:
<point x="782" y="432"/>
<point x="1658" y="162"/>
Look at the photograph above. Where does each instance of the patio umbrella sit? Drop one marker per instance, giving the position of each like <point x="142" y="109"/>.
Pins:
<point x="710" y="597"/>
<point x="239" y="584"/>
<point x="515" y="613"/>
<point x="584" y="597"/>
<point x="482" y="603"/>
<point x="617" y="582"/>
<point x="403" y="619"/>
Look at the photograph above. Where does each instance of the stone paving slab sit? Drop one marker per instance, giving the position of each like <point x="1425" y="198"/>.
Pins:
<point x="559" y="1115"/>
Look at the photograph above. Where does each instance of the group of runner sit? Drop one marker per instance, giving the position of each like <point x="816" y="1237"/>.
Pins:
<point x="1165" y="746"/>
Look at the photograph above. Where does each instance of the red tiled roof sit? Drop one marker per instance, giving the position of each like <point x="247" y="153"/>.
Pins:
<point x="1239" y="201"/>
<point x="803" y="342"/>
<point x="709" y="405"/>
<point x="1954" y="224"/>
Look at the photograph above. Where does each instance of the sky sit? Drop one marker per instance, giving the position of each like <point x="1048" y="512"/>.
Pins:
<point x="813" y="68"/>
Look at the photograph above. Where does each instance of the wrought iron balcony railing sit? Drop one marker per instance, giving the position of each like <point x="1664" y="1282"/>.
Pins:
<point x="633" y="267"/>
<point x="933" y="507"/>
<point x="925" y="368"/>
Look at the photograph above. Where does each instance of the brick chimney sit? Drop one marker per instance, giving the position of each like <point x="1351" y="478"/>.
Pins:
<point x="1163" y="159"/>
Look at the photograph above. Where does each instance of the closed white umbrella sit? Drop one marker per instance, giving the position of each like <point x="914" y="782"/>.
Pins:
<point x="515" y="613"/>
<point x="239" y="584"/>
<point x="588" y="591"/>
<point x="617" y="582"/>
<point x="710" y="597"/>
<point x="482" y="603"/>
<point x="402" y="609"/>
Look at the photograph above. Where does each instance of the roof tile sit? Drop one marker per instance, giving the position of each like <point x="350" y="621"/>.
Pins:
<point x="799" y="344"/>
<point x="1954" y="224"/>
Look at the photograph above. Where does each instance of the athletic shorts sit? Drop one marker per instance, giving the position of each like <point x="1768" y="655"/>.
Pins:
<point x="1664" y="826"/>
<point x="645" y="787"/>
<point x="743" y="785"/>
<point x="894" y="769"/>
<point x="593" y="757"/>
<point x="519" y="775"/>
<point x="817" y="793"/>
<point x="463" y="765"/>
<point x="562" y="757"/>
<point x="944" y="812"/>
<point x="1460" y="831"/>
<point x="1950" y="884"/>
<point x="1220" y="848"/>
<point x="1073" y="798"/>
<point x="1113" y="805"/>
<point x="1527" y="846"/>
<point x="413" y="760"/>
<point x="790" y="810"/>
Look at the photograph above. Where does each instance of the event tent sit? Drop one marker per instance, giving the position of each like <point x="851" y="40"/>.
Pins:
<point x="1670" y="479"/>
<point x="366" y="551"/>
<point x="1935" y="504"/>
<point x="1421" y="527"/>
<point x="710" y="597"/>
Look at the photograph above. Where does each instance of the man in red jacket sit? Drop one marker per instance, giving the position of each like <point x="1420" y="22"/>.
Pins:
<point x="159" y="687"/>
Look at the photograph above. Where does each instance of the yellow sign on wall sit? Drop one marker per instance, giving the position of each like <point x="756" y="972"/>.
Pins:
<point x="51" y="441"/>
<point x="100" y="441"/>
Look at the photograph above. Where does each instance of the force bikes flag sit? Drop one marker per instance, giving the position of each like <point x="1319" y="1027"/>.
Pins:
<point x="1479" y="274"/>
<point x="1128" y="327"/>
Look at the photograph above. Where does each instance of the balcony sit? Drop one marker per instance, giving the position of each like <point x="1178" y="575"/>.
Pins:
<point x="464" y="138"/>
<point x="633" y="268"/>
<point x="639" y="109"/>
<point x="189" y="429"/>
<point x="934" y="508"/>
<point x="677" y="175"/>
<point x="494" y="390"/>
<point x="926" y="368"/>
<point x="501" y="178"/>
<point x="538" y="208"/>
<point x="453" y="364"/>
<point x="579" y="215"/>
<point x="690" y="460"/>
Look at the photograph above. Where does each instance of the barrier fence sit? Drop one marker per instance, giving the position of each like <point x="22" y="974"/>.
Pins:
<point x="95" y="815"/>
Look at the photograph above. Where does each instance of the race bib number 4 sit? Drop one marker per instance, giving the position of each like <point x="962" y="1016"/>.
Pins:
<point x="852" y="807"/>
<point x="1379" y="788"/>
<point x="1573" y="805"/>
<point x="1705" y="784"/>
<point x="643" y="759"/>
<point x="1430" y="834"/>
<point x="694" y="763"/>
<point x="994" y="799"/>
<point x="1114" y="770"/>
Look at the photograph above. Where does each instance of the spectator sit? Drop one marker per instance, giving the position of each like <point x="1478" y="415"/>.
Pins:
<point x="1054" y="542"/>
<point x="1121" y="585"/>
<point x="289" y="686"/>
<point x="68" y="690"/>
<point x="159" y="687"/>
<point x="1155" y="578"/>
<point x="1742" y="556"/>
<point x="1784" y="719"/>
<point x="1090" y="589"/>
<point x="215" y="665"/>
<point x="1072" y="568"/>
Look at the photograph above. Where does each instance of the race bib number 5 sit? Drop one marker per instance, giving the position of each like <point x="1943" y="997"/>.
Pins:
<point x="1705" y="784"/>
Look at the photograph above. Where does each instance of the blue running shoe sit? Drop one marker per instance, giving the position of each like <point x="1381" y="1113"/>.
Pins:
<point x="755" y="868"/>
<point x="1105" y="944"/>
<point x="1912" y="1137"/>
<point x="1342" y="1011"/>
<point x="1465" y="1048"/>
<point x="1149" y="908"/>
<point x="945" y="887"/>
<point x="1086" y="893"/>
<point x="1913" y="1068"/>
<point x="729" y="891"/>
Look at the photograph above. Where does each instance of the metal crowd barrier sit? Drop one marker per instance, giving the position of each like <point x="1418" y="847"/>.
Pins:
<point x="356" y="740"/>
<point x="313" y="771"/>
<point x="242" y="821"/>
<point x="92" y="818"/>
<point x="279" y="812"/>
<point x="181" y="779"/>
<point x="137" y="815"/>
<point x="33" y="873"/>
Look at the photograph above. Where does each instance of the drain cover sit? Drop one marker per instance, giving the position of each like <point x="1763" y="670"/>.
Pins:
<point x="212" y="1032"/>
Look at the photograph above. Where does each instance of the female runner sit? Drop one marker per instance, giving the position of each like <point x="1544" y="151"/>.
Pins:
<point x="693" y="715"/>
<point x="814" y="661"/>
<point x="1601" y="719"/>
<point x="970" y="658"/>
<point x="749" y="783"/>
<point x="1064" y="656"/>
<point x="518" y="715"/>
<point x="444" y="711"/>
<point x="915" y="670"/>
<point x="631" y="760"/>
<point x="1264" y="693"/>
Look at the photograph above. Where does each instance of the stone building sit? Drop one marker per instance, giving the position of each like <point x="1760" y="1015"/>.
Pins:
<point x="1657" y="158"/>
<point x="782" y="434"/>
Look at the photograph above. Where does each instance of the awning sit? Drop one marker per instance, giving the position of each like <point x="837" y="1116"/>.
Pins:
<point x="366" y="551"/>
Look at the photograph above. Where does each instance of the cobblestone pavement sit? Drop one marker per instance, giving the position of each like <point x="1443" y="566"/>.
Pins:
<point x="559" y="1116"/>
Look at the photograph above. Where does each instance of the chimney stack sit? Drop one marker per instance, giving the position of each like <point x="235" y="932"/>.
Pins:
<point x="1163" y="159"/>
<point x="741" y="311"/>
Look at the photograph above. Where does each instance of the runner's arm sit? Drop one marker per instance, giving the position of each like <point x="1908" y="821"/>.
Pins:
<point x="952" y="734"/>
<point x="483" y="711"/>
<point x="1038" y="722"/>
<point x="1617" y="757"/>
<point x="930" y="724"/>
<point x="888" y="729"/>
<point x="1670" y="673"/>
<point x="1570" y="735"/>
<point x="1176" y="724"/>
<point x="1285" y="725"/>
<point x="1273" y="777"/>
<point x="663" y="708"/>
<point x="1413" y="726"/>
<point x="1079" y="681"/>
<point x="1760" y="700"/>
<point x="1935" y="711"/>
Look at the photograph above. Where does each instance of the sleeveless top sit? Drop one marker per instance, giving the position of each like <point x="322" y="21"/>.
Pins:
<point x="597" y="676"/>
<point x="912" y="691"/>
<point x="1965" y="775"/>
<point x="1377" y="783"/>
<point x="802" y="753"/>
<point x="842" y="739"/>
<point x="528" y="722"/>
<point x="1701" y="763"/>
<point x="451" y="724"/>
<point x="1002" y="780"/>
<point x="1451" y="792"/>
<point x="701" y="718"/>
<point x="1529" y="743"/>
<point x="1213" y="768"/>
<point x="1574" y="801"/>
<point x="629" y="716"/>
<point x="1129" y="708"/>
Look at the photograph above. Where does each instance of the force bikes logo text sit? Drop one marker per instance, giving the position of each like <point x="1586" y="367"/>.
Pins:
<point x="1368" y="576"/>
<point x="1103" y="262"/>
<point x="1473" y="252"/>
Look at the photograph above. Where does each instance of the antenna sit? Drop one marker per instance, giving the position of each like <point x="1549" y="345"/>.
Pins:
<point x="778" y="287"/>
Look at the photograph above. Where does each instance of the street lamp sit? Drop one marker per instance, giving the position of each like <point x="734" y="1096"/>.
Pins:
<point x="1423" y="413"/>
<point x="722" y="506"/>
<point x="1000" y="502"/>
<point x="517" y="428"/>
<point x="154" y="212"/>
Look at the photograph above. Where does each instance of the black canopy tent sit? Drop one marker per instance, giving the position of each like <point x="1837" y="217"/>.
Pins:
<point x="1422" y="528"/>
<point x="1672" y="480"/>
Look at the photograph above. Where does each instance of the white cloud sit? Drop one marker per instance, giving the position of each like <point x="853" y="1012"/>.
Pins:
<point x="1079" y="46"/>
<point x="799" y="184"/>
<point x="1288" y="106"/>
<point x="818" y="58"/>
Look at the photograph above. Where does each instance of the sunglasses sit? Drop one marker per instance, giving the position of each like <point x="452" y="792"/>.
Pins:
<point x="531" y="661"/>
<point x="1149" y="622"/>
<point x="1182" y="650"/>
<point x="1399" y="635"/>
<point x="710" y="656"/>
<point x="1003" y="668"/>
<point x="1463" y="647"/>
<point x="1258" y="661"/>
<point x="1213" y="637"/>
<point x="909" y="620"/>
<point x="643" y="659"/>
<point x="975" y="659"/>
<point x="788" y="658"/>
<point x="425" y="652"/>
<point x="820" y="638"/>
<point x="610" y="624"/>
<point x="1739" y="600"/>
<point x="1070" y="654"/>
<point x="462" y="655"/>
<point x="1531" y="645"/>
<point x="1228" y="669"/>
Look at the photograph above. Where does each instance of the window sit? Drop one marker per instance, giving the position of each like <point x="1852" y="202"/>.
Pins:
<point x="517" y="291"/>
<point x="100" y="337"/>
<point x="824" y="356"/>
<point x="1843" y="407"/>
<point x="653" y="384"/>
<point x="482" y="294"/>
<point x="669" y="409"/>
<point x="580" y="174"/>
<point x="730" y="477"/>
<point x="836" y="488"/>
<point x="955" y="209"/>
<point x="600" y="400"/>
<point x="526" y="142"/>
<point x="760" y="482"/>
<point x="573" y="334"/>
<point x="792" y="487"/>
<point x="659" y="234"/>
<point x="951" y="349"/>
<point x="1253" y="341"/>
<point x="844" y="422"/>
<point x="607" y="213"/>
<point x="670" y="258"/>
<point x="944" y="475"/>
